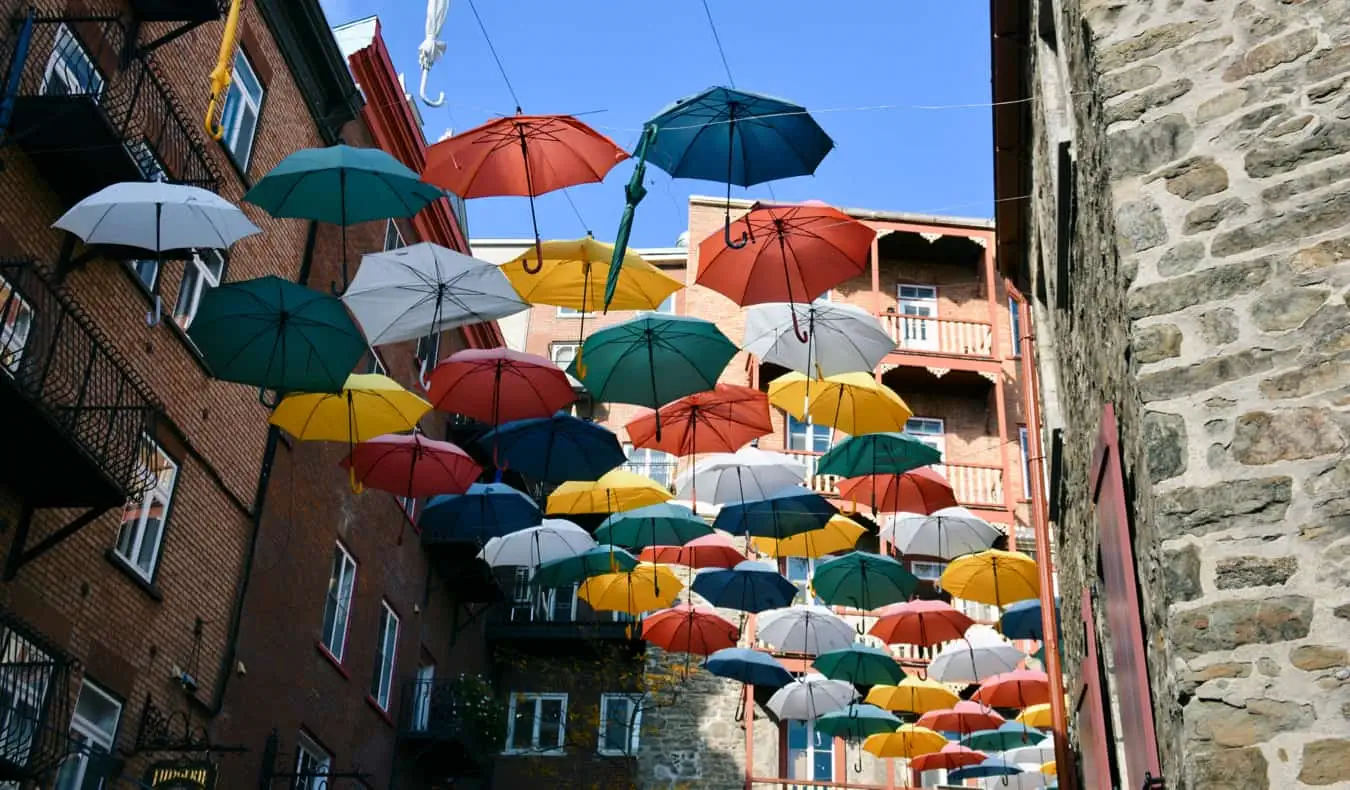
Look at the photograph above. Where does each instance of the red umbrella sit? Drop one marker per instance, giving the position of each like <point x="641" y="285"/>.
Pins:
<point x="953" y="755"/>
<point x="689" y="629"/>
<point x="709" y="551"/>
<point x="964" y="717"/>
<point x="721" y="420"/>
<point x="1016" y="689"/>
<point x="498" y="385"/>
<point x="921" y="490"/>
<point x="412" y="465"/>
<point x="795" y="254"/>
<point x="924" y="623"/>
<point x="522" y="156"/>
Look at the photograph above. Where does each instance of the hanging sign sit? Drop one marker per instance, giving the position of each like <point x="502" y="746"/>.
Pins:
<point x="181" y="776"/>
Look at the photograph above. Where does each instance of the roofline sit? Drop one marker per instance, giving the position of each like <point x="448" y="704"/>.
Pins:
<point x="355" y="22"/>
<point x="863" y="213"/>
<point x="1010" y="28"/>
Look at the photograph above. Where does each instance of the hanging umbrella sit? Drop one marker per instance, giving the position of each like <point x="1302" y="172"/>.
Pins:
<point x="555" y="449"/>
<point x="522" y="156"/>
<point x="992" y="766"/>
<point x="718" y="421"/>
<point x="341" y="185"/>
<point x="907" y="742"/>
<point x="1049" y="768"/>
<point x="855" y="403"/>
<point x="953" y="755"/>
<point x="689" y="629"/>
<point x="1016" y="689"/>
<point x="1022" y="620"/>
<point x="274" y="334"/>
<point x="876" y="454"/>
<point x="745" y="475"/>
<point x="425" y="289"/>
<point x="856" y="722"/>
<point x="946" y="533"/>
<point x="839" y="534"/>
<point x="615" y="491"/>
<point x="1035" y="754"/>
<point x="810" y="697"/>
<point x="748" y="587"/>
<point x="809" y="630"/>
<point x="432" y="48"/>
<point x="552" y="539"/>
<point x="748" y="666"/>
<point x="709" y="551"/>
<point x="992" y="576"/>
<point x="723" y="134"/>
<point x="980" y="655"/>
<point x="1027" y="780"/>
<point x="486" y="510"/>
<point x="1004" y="736"/>
<point x="576" y="568"/>
<point x="862" y="580"/>
<point x="498" y="385"/>
<point x="913" y="695"/>
<point x="964" y="717"/>
<point x="923" y="623"/>
<point x="1037" y="716"/>
<point x="782" y="514"/>
<point x="917" y="491"/>
<point x="660" y="524"/>
<point x="639" y="590"/>
<point x="411" y="465"/>
<point x="861" y="665"/>
<point x="841" y="338"/>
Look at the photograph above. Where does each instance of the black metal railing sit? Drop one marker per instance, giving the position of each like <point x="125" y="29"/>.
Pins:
<point x="57" y="357"/>
<point x="34" y="702"/>
<point x="436" y="708"/>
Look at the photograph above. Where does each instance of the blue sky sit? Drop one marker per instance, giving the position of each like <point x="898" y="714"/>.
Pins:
<point x="630" y="58"/>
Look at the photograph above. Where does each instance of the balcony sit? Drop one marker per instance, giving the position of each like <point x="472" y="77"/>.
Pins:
<point x="551" y="618"/>
<point x="433" y="709"/>
<point x="179" y="10"/>
<point x="34" y="705"/>
<point x="974" y="485"/>
<point x="939" y="336"/>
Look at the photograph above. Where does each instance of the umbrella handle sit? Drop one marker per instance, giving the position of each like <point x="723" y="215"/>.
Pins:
<point x="857" y="765"/>
<point x="271" y="402"/>
<point x="740" y="707"/>
<point x="726" y="235"/>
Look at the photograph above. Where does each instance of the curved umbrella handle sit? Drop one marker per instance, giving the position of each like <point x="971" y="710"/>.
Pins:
<point x="334" y="289"/>
<point x="740" y="708"/>
<point x="726" y="235"/>
<point x="440" y="98"/>
<point x="270" y="403"/>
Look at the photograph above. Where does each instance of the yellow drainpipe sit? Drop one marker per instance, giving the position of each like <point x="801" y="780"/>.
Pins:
<point x="220" y="76"/>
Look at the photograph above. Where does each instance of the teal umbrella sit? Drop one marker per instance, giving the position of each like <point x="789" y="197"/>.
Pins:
<point x="341" y="185"/>
<point x="877" y="454"/>
<point x="1009" y="735"/>
<point x="857" y="721"/>
<point x="862" y="580"/>
<point x="861" y="665"/>
<point x="654" y="525"/>
<point x="652" y="360"/>
<point x="274" y="334"/>
<point x="579" y="567"/>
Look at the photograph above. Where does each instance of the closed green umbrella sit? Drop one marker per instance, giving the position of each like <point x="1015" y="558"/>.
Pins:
<point x="877" y="454"/>
<point x="654" y="525"/>
<point x="592" y="562"/>
<point x="862" y="580"/>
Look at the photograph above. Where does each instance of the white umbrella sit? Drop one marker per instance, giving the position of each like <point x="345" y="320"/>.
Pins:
<point x="947" y="533"/>
<point x="811" y="697"/>
<point x="431" y="48"/>
<point x="842" y="338"/>
<point x="747" y="475"/>
<point x="553" y="539"/>
<point x="982" y="654"/>
<point x="1035" y="755"/>
<point x="810" y="630"/>
<point x="1031" y="780"/>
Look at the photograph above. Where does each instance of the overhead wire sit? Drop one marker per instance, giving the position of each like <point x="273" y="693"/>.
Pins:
<point x="718" y="40"/>
<point x="500" y="68"/>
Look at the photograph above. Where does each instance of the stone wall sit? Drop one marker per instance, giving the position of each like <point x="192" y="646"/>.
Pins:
<point x="1207" y="300"/>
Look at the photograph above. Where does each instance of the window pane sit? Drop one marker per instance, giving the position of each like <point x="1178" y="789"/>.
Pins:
<point x="618" y="721"/>
<point x="522" y="728"/>
<point x="337" y="605"/>
<point x="150" y="538"/>
<point x="243" y="73"/>
<point x="147" y="271"/>
<point x="550" y="723"/>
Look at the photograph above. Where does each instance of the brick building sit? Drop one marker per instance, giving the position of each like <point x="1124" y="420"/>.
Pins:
<point x="1173" y="190"/>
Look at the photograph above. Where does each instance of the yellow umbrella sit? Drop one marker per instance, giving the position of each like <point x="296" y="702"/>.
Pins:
<point x="994" y="577"/>
<point x="616" y="491"/>
<point x="913" y="695"/>
<point x="1037" y="716"/>
<point x="838" y="534"/>
<point x="909" y="741"/>
<point x="855" y="403"/>
<point x="1049" y="769"/>
<point x="648" y="586"/>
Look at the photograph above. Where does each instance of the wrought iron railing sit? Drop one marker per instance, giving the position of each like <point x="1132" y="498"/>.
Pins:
<point x="54" y="353"/>
<point x="435" y="708"/>
<point x="34" y="702"/>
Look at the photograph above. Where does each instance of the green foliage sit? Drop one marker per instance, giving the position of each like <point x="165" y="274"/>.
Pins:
<point x="484" y="715"/>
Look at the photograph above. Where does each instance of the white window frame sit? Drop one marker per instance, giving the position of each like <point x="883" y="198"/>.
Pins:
<point x="408" y="504"/>
<point x="932" y="431"/>
<point x="634" y="716"/>
<point x="424" y="684"/>
<point x="67" y="42"/>
<point x="667" y="307"/>
<point x="1015" y="326"/>
<point x="91" y="737"/>
<point x="534" y="747"/>
<point x="393" y="237"/>
<point x="809" y="431"/>
<point x="570" y="312"/>
<point x="918" y="330"/>
<point x="926" y="570"/>
<point x="342" y="575"/>
<point x="1025" y="447"/>
<point x="230" y="122"/>
<point x="810" y="751"/>
<point x="311" y="758"/>
<point x="553" y="354"/>
<point x="386" y="657"/>
<point x="131" y="545"/>
<point x="198" y="278"/>
<point x="16" y="324"/>
<point x="657" y="465"/>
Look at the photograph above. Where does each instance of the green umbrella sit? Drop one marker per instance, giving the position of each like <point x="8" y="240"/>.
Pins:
<point x="1009" y="735"/>
<point x="654" y="525"/>
<point x="274" y="334"/>
<point x="579" y="567"/>
<point x="861" y="665"/>
<point x="862" y="580"/>
<point x="342" y="185"/>
<point x="877" y="454"/>
<point x="857" y="721"/>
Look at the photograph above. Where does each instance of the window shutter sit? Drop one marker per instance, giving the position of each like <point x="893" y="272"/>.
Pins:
<point x="1065" y="220"/>
<point x="1093" y="727"/>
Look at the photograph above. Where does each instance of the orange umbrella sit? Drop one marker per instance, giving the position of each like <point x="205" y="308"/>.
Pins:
<point x="721" y="420"/>
<point x="920" y="622"/>
<point x="1016" y="689"/>
<point x="917" y="491"/>
<point x="710" y="551"/>
<point x="689" y="629"/>
<point x="964" y="717"/>
<point x="953" y="755"/>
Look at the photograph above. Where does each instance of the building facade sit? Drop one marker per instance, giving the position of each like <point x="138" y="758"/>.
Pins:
<point x="1172" y="184"/>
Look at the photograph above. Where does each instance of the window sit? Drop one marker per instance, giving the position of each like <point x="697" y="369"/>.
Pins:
<point x="374" y="364"/>
<point x="929" y="430"/>
<point x="569" y="312"/>
<point x="667" y="307"/>
<point x="312" y="765"/>
<point x="1026" y="461"/>
<point x="658" y="465"/>
<point x="393" y="237"/>
<point x="141" y="535"/>
<point x="386" y="650"/>
<point x="25" y="681"/>
<point x="424" y="685"/>
<point x="408" y="504"/>
<point x="94" y="728"/>
<point x="536" y="723"/>
<point x="337" y="608"/>
<point x="799" y="570"/>
<point x="1015" y="317"/>
<point x="810" y="753"/>
<point x="547" y="605"/>
<point x="242" y="104"/>
<point x="918" y="308"/>
<point x="16" y="323"/>
<point x="562" y="354"/>
<point x="620" y="724"/>
<point x="202" y="272"/>
<point x="929" y="571"/>
<point x="70" y="70"/>
<point x="807" y="437"/>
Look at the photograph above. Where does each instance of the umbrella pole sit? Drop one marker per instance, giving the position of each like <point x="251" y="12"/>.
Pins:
<point x="351" y="442"/>
<point x="651" y="369"/>
<point x="534" y="220"/>
<point x="581" y="327"/>
<point x="731" y="149"/>
<point x="342" y="198"/>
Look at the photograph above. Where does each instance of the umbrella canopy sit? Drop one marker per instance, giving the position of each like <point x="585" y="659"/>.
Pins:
<point x="964" y="717"/>
<point x="498" y="385"/>
<point x="924" y="623"/>
<point x="810" y="698"/>
<point x="1022" y="620"/>
<point x="1037" y="716"/>
<point x="639" y="590"/>
<point x="876" y="454"/>
<point x="839" y="534"/>
<point x="745" y="475"/>
<point x="992" y="766"/>
<point x="809" y="630"/>
<point x="913" y="695"/>
<point x="689" y="629"/>
<point x="1035" y="754"/>
<point x="555" y="449"/>
<point x="908" y="742"/>
<point x="946" y="533"/>
<point x="274" y="334"/>
<point x="841" y="338"/>
<point x="574" y="273"/>
<point x="992" y="576"/>
<point x="531" y="547"/>
<point x="953" y="755"/>
<point x="855" y="403"/>
<point x="748" y="666"/>
<point x="576" y="568"/>
<point x="1016" y="689"/>
<point x="709" y="551"/>
<point x="782" y="514"/>
<point x="486" y="510"/>
<point x="861" y="665"/>
<point x="1027" y="780"/>
<point x="748" y="587"/>
<point x="368" y="406"/>
<point x="661" y="524"/>
<point x="856" y="722"/>
<point x="917" y="491"/>
<point x="614" y="491"/>
<point x="718" y="421"/>
<point x="157" y="216"/>
<point x="1004" y="736"/>
<point x="979" y="656"/>
<point x="423" y="289"/>
<point x="411" y="465"/>
<point x="862" y="580"/>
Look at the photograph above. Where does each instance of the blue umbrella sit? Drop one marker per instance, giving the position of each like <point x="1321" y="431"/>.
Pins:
<point x="782" y="514"/>
<point x="555" y="449"/>
<point x="748" y="666"/>
<point x="486" y="510"/>
<point x="749" y="587"/>
<point x="992" y="766"/>
<point x="1022" y="620"/>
